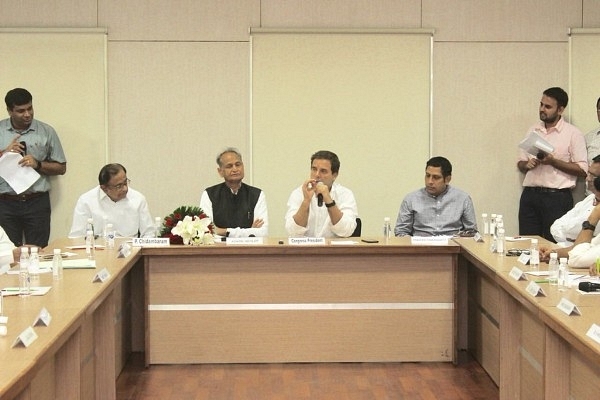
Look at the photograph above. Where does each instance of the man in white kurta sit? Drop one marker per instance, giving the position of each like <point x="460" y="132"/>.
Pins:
<point x="113" y="202"/>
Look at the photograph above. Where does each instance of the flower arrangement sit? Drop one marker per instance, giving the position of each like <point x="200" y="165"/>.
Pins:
<point x="188" y="225"/>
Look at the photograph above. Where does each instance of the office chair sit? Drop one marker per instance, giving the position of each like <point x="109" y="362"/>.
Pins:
<point x="358" y="229"/>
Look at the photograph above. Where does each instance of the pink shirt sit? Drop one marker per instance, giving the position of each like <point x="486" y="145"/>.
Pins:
<point x="569" y="146"/>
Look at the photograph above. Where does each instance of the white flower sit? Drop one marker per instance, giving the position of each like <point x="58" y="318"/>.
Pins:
<point x="193" y="230"/>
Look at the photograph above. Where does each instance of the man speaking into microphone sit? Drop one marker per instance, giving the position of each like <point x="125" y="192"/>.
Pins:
<point x="320" y="207"/>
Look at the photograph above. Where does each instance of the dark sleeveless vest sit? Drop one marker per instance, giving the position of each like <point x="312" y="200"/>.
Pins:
<point x="233" y="210"/>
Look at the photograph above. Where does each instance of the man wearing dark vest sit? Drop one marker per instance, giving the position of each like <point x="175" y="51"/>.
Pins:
<point x="236" y="209"/>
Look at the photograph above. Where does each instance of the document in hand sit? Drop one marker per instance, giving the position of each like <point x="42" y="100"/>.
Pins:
<point x="534" y="143"/>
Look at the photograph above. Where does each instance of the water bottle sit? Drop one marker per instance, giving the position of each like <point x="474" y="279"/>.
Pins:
<point x="110" y="236"/>
<point x="500" y="240"/>
<point x="90" y="225"/>
<point x="387" y="230"/>
<point x="157" y="226"/>
<point x="553" y="269"/>
<point x="493" y="225"/>
<point x="104" y="229"/>
<point x="34" y="267"/>
<point x="57" y="265"/>
<point x="24" y="281"/>
<point x="534" y="260"/>
<point x="486" y="224"/>
<point x="563" y="274"/>
<point x="90" y="245"/>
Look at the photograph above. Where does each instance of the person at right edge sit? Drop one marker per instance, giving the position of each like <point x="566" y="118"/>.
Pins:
<point x="550" y="177"/>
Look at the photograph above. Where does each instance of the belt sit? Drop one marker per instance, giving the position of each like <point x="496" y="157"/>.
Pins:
<point x="545" y="189"/>
<point x="21" y="197"/>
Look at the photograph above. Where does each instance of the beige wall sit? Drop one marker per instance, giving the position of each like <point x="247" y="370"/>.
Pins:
<point x="179" y="82"/>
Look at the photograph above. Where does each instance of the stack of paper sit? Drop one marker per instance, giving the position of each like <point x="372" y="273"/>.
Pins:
<point x="534" y="143"/>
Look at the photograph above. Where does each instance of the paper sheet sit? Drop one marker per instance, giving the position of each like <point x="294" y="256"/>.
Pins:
<point x="19" y="178"/>
<point x="534" y="143"/>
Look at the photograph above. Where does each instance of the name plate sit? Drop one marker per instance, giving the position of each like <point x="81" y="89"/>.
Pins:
<point x="244" y="240"/>
<point x="3" y="322"/>
<point x="517" y="274"/>
<point x="124" y="250"/>
<point x="307" y="241"/>
<point x="534" y="289"/>
<point x="594" y="333"/>
<point x="151" y="242"/>
<point x="429" y="240"/>
<point x="43" y="318"/>
<point x="101" y="276"/>
<point x="524" y="258"/>
<point x="26" y="337"/>
<point x="568" y="307"/>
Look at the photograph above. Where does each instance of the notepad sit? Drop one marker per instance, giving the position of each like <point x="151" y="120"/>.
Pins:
<point x="534" y="143"/>
<point x="80" y="263"/>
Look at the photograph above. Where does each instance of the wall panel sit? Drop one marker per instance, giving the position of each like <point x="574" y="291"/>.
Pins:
<point x="67" y="80"/>
<point x="364" y="96"/>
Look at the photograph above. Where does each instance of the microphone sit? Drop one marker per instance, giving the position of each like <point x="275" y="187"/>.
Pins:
<point x="589" y="287"/>
<point x="319" y="196"/>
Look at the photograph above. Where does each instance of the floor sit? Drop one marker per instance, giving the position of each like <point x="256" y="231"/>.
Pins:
<point x="347" y="381"/>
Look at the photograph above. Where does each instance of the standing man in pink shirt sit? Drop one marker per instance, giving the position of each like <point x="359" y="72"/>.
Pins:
<point x="550" y="177"/>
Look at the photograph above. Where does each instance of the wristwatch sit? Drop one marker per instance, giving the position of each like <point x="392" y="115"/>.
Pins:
<point x="329" y="205"/>
<point x="588" y="226"/>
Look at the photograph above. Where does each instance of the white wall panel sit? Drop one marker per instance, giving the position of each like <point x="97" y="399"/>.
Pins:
<point x="179" y="20"/>
<point x="500" y="21"/>
<point x="483" y="105"/>
<point x="67" y="82"/>
<point x="173" y="107"/>
<point x="364" y="96"/>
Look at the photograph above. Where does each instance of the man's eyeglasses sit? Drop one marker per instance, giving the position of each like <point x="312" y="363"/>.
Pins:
<point x="120" y="186"/>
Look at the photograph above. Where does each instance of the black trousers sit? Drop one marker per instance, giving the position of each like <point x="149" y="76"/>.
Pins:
<point x="27" y="222"/>
<point x="539" y="209"/>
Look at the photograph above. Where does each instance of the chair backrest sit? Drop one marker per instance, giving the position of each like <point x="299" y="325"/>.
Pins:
<point x="358" y="229"/>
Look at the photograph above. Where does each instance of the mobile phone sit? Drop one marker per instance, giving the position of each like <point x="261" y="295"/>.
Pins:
<point x="24" y="151"/>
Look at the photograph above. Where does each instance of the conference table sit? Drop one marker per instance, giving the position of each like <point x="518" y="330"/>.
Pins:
<point x="277" y="302"/>
<point x="82" y="325"/>
<point x="344" y="301"/>
<point x="528" y="344"/>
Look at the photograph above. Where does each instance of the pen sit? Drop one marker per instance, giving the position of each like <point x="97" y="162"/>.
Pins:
<point x="542" y="281"/>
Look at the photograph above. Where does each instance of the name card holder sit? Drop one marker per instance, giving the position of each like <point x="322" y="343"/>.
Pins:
<point x="517" y="274"/>
<point x="477" y="237"/>
<point x="124" y="250"/>
<point x="26" y="337"/>
<point x="101" y="276"/>
<point x="429" y="240"/>
<point x="151" y="242"/>
<point x="594" y="333"/>
<point x="568" y="307"/>
<point x="524" y="258"/>
<point x="3" y="322"/>
<point x="307" y="241"/>
<point x="43" y="318"/>
<point x="244" y="241"/>
<point x="534" y="289"/>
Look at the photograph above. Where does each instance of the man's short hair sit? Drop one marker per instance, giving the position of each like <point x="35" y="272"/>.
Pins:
<point x="327" y="155"/>
<point x="561" y="97"/>
<point x="228" y="150"/>
<point x="17" y="97"/>
<point x="440" y="162"/>
<point x="108" y="171"/>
